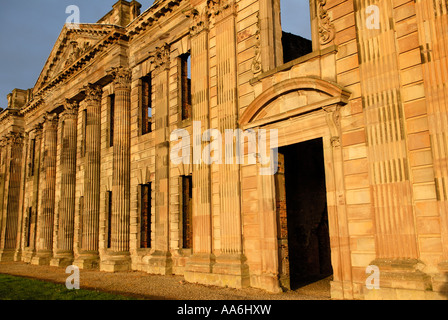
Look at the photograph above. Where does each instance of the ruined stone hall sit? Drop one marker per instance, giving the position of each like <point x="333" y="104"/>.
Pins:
<point x="87" y="176"/>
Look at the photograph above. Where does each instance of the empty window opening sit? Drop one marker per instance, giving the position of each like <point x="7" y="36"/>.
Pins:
<point x="111" y="102"/>
<point x="28" y="227"/>
<point x="84" y="132"/>
<point x="187" y="212"/>
<point x="185" y="78"/>
<point x="145" y="216"/>
<point x="32" y="157"/>
<point x="296" y="29"/>
<point x="302" y="218"/>
<point x="146" y="104"/>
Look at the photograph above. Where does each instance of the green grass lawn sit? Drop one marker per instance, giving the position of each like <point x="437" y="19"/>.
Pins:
<point x="16" y="288"/>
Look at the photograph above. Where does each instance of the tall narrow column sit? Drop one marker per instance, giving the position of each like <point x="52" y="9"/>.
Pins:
<point x="63" y="255"/>
<point x="89" y="257"/>
<point x="11" y="205"/>
<point x="118" y="257"/>
<point x="48" y="184"/>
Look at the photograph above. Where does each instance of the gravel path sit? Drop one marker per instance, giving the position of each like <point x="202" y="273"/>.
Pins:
<point x="155" y="287"/>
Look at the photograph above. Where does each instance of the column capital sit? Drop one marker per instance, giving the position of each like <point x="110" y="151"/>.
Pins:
<point x="122" y="77"/>
<point x="161" y="57"/>
<point x="223" y="8"/>
<point x="93" y="93"/>
<point x="50" y="120"/>
<point x="14" y="138"/>
<point x="70" y="109"/>
<point x="3" y="143"/>
<point x="200" y="20"/>
<point x="37" y="129"/>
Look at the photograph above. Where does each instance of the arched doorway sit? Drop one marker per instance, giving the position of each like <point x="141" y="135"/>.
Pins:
<point x="308" y="190"/>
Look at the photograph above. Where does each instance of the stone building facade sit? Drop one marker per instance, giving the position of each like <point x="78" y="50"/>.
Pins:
<point x="87" y="175"/>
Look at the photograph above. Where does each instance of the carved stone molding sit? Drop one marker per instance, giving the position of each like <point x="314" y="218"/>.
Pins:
<point x="14" y="138"/>
<point x="77" y="51"/>
<point x="50" y="121"/>
<point x="256" y="62"/>
<point x="200" y="20"/>
<point x="333" y="117"/>
<point x="93" y="93"/>
<point x="326" y="27"/>
<point x="122" y="77"/>
<point x="161" y="57"/>
<point x="222" y="8"/>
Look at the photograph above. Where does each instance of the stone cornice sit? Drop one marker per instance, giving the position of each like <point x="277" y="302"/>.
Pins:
<point x="150" y="16"/>
<point x="9" y="112"/>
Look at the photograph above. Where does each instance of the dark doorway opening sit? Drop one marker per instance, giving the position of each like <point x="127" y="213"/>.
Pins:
<point x="302" y="217"/>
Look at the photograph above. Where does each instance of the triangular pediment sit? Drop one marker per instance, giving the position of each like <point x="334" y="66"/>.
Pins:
<point x="71" y="45"/>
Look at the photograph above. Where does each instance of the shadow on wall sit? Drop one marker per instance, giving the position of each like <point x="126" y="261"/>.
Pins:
<point x="444" y="287"/>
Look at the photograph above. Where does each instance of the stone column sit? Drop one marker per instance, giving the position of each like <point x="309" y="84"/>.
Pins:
<point x="45" y="223"/>
<point x="89" y="257"/>
<point x="63" y="251"/>
<point x="10" y="226"/>
<point x="118" y="258"/>
<point x="159" y="262"/>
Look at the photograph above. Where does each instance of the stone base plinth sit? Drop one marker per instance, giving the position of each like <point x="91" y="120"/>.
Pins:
<point x="7" y="255"/>
<point x="42" y="258"/>
<point x="28" y="255"/>
<point x="87" y="260"/>
<point x="226" y="271"/>
<point x="116" y="262"/>
<point x="62" y="259"/>
<point x="158" y="262"/>
<point x="400" y="279"/>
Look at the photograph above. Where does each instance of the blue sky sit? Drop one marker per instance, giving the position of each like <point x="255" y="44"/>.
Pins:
<point x="29" y="29"/>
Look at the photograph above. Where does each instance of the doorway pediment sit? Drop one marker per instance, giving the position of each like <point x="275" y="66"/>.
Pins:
<point x="292" y="97"/>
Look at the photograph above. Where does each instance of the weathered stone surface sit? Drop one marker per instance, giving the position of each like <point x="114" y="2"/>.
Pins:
<point x="372" y="102"/>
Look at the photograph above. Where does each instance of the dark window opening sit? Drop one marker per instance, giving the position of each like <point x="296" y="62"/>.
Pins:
<point x="81" y="221"/>
<point x="28" y="227"/>
<point x="302" y="216"/>
<point x="145" y="216"/>
<point x="187" y="212"/>
<point x="185" y="85"/>
<point x="109" y="218"/>
<point x="32" y="157"/>
<point x="296" y="29"/>
<point x="146" y="104"/>
<point x="84" y="132"/>
<point x="111" y="102"/>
